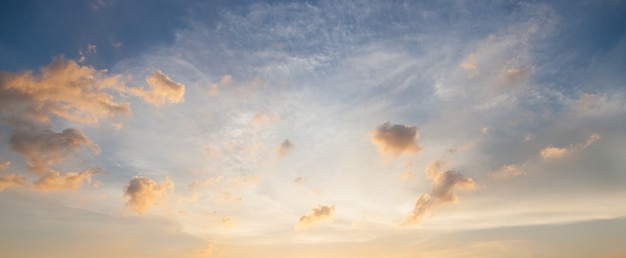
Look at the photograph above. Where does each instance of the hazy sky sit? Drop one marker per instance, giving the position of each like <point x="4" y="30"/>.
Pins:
<point x="312" y="129"/>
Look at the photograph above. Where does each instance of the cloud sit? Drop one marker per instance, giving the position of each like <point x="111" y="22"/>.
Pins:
<point x="551" y="152"/>
<point x="462" y="147"/>
<point x="226" y="79"/>
<point x="55" y="181"/>
<point x="64" y="89"/>
<point x="317" y="215"/>
<point x="470" y="65"/>
<point x="264" y="119"/>
<point x="11" y="180"/>
<point x="228" y="222"/>
<point x="212" y="89"/>
<point x="143" y="192"/>
<point x="405" y="175"/>
<point x="43" y="147"/>
<point x="4" y="165"/>
<point x="444" y="189"/>
<point x="434" y="168"/>
<point x="162" y="90"/>
<point x="396" y="139"/>
<point x="509" y="171"/>
<point x="284" y="148"/>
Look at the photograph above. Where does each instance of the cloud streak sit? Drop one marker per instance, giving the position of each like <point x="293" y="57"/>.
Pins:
<point x="550" y="152"/>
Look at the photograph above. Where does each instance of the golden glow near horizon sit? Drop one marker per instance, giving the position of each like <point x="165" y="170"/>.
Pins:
<point x="320" y="129"/>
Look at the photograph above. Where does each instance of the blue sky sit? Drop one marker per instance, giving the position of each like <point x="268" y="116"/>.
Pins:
<point x="308" y="129"/>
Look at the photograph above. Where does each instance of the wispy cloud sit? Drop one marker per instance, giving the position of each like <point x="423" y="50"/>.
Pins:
<point x="551" y="152"/>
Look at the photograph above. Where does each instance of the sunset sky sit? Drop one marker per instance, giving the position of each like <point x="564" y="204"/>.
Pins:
<point x="312" y="129"/>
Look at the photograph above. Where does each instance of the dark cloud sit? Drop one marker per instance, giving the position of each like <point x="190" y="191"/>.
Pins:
<point x="396" y="139"/>
<point x="143" y="192"/>
<point x="43" y="147"/>
<point x="284" y="148"/>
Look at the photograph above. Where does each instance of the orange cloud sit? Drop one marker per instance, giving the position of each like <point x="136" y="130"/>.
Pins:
<point x="226" y="79"/>
<point x="317" y="215"/>
<point x="551" y="152"/>
<point x="470" y="65"/>
<point x="162" y="90"/>
<point x="444" y="189"/>
<point x="11" y="180"/>
<point x="42" y="148"/>
<point x="262" y="119"/>
<point x="55" y="181"/>
<point x="509" y="171"/>
<point x="64" y="89"/>
<point x="143" y="192"/>
<point x="396" y="139"/>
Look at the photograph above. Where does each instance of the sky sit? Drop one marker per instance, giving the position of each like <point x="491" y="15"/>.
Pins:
<point x="312" y="129"/>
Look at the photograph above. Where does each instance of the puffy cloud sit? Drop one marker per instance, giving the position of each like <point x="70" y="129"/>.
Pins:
<point x="317" y="215"/>
<point x="55" y="181"/>
<point x="443" y="190"/>
<point x="162" y="90"/>
<point x="10" y="180"/>
<point x="551" y="152"/>
<point x="43" y="147"/>
<point x="64" y="89"/>
<point x="284" y="148"/>
<point x="396" y="139"/>
<point x="143" y="192"/>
